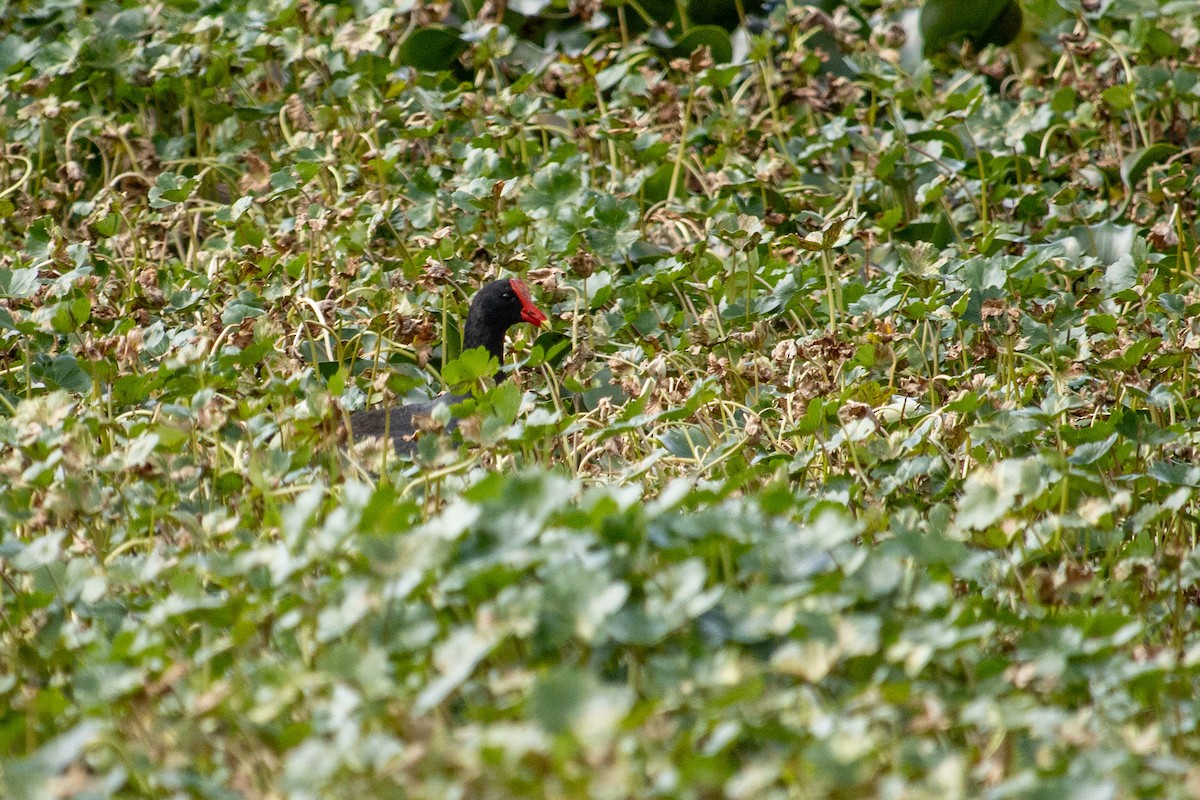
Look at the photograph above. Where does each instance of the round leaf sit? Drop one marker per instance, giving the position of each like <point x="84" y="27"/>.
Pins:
<point x="432" y="49"/>
<point x="711" y="36"/>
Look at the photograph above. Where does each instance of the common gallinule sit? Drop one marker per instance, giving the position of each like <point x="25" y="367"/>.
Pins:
<point x="496" y="307"/>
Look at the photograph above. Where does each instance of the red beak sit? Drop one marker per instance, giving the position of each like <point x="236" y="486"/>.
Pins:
<point x="529" y="312"/>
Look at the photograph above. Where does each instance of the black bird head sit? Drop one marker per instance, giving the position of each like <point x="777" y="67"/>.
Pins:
<point x="497" y="307"/>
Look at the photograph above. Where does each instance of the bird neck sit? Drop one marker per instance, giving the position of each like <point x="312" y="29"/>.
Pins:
<point x="477" y="334"/>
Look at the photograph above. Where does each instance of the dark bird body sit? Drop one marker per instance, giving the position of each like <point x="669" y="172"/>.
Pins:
<point x="496" y="307"/>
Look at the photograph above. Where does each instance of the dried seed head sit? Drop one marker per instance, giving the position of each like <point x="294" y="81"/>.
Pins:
<point x="1162" y="235"/>
<point x="717" y="366"/>
<point x="754" y="428"/>
<point x="433" y="275"/>
<point x="786" y="351"/>
<point x="147" y="279"/>
<point x="582" y="263"/>
<point x="297" y="114"/>
<point x="585" y="9"/>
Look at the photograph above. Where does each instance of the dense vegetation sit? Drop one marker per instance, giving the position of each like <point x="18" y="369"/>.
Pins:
<point x="860" y="462"/>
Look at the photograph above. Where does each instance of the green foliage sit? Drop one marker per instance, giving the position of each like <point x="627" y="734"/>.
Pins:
<point x="432" y="49"/>
<point x="861" y="460"/>
<point x="982" y="22"/>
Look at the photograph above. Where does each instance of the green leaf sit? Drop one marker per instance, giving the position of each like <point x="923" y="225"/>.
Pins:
<point x="66" y="374"/>
<point x="715" y="38"/>
<point x="550" y="348"/>
<point x="470" y="367"/>
<point x="1175" y="473"/>
<point x="1091" y="452"/>
<point x="657" y="185"/>
<point x="431" y="49"/>
<point x="283" y="181"/>
<point x="685" y="442"/>
<point x="240" y="207"/>
<point x="37" y="775"/>
<point x="1105" y="241"/>
<point x="14" y="51"/>
<point x="106" y="226"/>
<point x="18" y="283"/>
<point x="1121" y="275"/>
<point x="246" y="305"/>
<point x="615" y="227"/>
<point x="506" y="401"/>
<point x="557" y="698"/>
<point x="556" y="188"/>
<point x="456" y="659"/>
<point x="951" y="141"/>
<point x="1131" y="356"/>
<point x="1119" y="98"/>
<point x="982" y="21"/>
<point x="1137" y="163"/>
<point x="991" y="492"/>
<point x="1106" y="323"/>
<point x="169" y="189"/>
<point x="37" y="241"/>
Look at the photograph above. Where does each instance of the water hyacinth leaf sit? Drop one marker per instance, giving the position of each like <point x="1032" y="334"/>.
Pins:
<point x="614" y="229"/>
<point x="38" y="241"/>
<point x="554" y="190"/>
<point x="1105" y="241"/>
<point x="1091" y="452"/>
<point x="1106" y="323"/>
<point x="456" y="658"/>
<point x="557" y="698"/>
<point x="991" y="492"/>
<point x="1175" y="473"/>
<point x="1120" y="275"/>
<point x="432" y="49"/>
<point x="684" y="442"/>
<point x="32" y="776"/>
<point x="40" y="552"/>
<point x="18" y="283"/>
<point x="1136" y="164"/>
<point x="65" y="373"/>
<point x="984" y="22"/>
<point x="713" y="37"/>
<point x="15" y="50"/>
<point x="169" y="189"/>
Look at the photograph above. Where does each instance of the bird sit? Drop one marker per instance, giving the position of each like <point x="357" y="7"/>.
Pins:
<point x="495" y="308"/>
